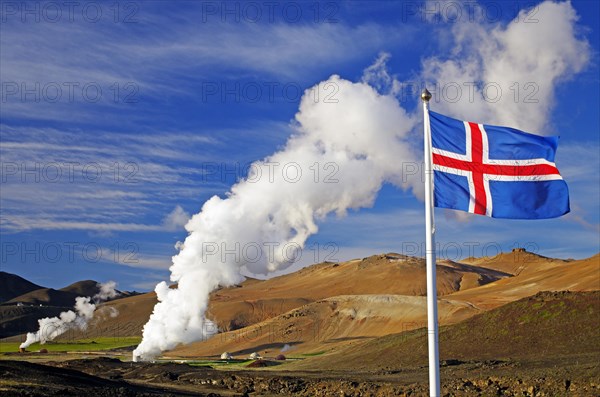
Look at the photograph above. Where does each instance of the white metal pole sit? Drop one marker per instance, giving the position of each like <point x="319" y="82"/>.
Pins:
<point x="432" y="315"/>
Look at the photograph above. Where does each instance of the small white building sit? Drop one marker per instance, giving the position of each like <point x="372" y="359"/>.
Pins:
<point x="255" y="356"/>
<point x="226" y="356"/>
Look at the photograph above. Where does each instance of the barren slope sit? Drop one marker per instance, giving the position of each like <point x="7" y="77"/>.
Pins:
<point x="538" y="275"/>
<point x="256" y="300"/>
<point x="12" y="286"/>
<point x="83" y="288"/>
<point x="549" y="324"/>
<point x="392" y="274"/>
<point x="328" y="323"/>
<point x="46" y="297"/>
<point x="313" y="328"/>
<point x="516" y="262"/>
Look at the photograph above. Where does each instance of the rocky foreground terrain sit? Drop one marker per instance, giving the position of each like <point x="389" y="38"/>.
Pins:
<point x="576" y="376"/>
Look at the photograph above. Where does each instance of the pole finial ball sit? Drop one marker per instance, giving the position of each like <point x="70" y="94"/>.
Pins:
<point x="425" y="95"/>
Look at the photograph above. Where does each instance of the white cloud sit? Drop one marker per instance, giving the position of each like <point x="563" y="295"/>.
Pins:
<point x="20" y="223"/>
<point x="55" y="179"/>
<point x="378" y="76"/>
<point x="147" y="261"/>
<point x="145" y="285"/>
<point x="575" y="162"/>
<point x="176" y="219"/>
<point x="517" y="67"/>
<point x="148" y="60"/>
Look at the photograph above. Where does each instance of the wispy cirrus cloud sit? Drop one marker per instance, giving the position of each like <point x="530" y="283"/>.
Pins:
<point x="107" y="181"/>
<point x="143" y="61"/>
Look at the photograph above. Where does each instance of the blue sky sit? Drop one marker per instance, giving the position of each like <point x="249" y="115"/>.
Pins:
<point x="119" y="120"/>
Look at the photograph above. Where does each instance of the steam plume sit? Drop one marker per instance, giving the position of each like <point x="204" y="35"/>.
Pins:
<point x="357" y="142"/>
<point x="106" y="291"/>
<point x="358" y="139"/>
<point x="52" y="327"/>
<point x="286" y="348"/>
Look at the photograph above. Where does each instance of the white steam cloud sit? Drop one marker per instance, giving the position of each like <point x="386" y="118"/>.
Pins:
<point x="52" y="327"/>
<point x="357" y="139"/>
<point x="106" y="291"/>
<point x="341" y="154"/>
<point x="285" y="348"/>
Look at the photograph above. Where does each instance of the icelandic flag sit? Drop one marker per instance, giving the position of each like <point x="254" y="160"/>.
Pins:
<point x="495" y="171"/>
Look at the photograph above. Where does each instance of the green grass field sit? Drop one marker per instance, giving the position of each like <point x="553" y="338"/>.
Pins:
<point x="220" y="363"/>
<point x="314" y="353"/>
<point x="95" y="344"/>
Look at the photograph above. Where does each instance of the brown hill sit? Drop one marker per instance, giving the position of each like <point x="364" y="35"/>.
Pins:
<point x="326" y="324"/>
<point x="20" y="314"/>
<point x="91" y="288"/>
<point x="12" y="286"/>
<point x="474" y="276"/>
<point x="470" y="288"/>
<point x="133" y="313"/>
<point x="479" y="289"/>
<point x="392" y="274"/>
<point x="549" y="324"/>
<point x="29" y="302"/>
<point x="46" y="296"/>
<point x="64" y="297"/>
<point x="518" y="261"/>
<point x="83" y="288"/>
<point x="254" y="300"/>
<point x="550" y="275"/>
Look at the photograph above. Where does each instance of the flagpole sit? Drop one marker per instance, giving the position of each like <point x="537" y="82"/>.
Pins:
<point x="432" y="315"/>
